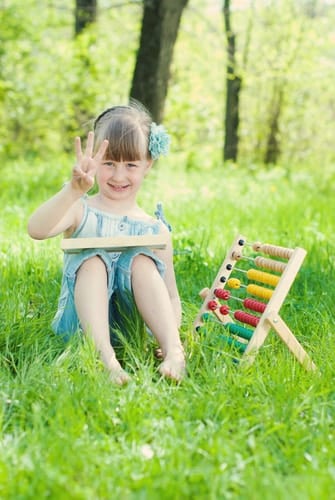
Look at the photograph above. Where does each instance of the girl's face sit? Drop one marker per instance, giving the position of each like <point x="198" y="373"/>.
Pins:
<point x="121" y="180"/>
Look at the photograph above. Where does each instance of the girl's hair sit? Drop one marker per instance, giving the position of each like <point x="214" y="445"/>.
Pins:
<point x="127" y="130"/>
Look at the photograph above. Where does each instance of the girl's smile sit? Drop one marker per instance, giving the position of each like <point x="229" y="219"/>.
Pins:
<point x="118" y="188"/>
<point x="121" y="177"/>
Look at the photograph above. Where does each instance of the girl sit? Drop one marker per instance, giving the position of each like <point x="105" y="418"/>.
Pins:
<point x="118" y="155"/>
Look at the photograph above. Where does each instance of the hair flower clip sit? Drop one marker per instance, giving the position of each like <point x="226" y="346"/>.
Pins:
<point x="159" y="141"/>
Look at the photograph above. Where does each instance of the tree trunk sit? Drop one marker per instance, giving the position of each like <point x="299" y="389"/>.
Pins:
<point x="160" y="24"/>
<point x="273" y="149"/>
<point x="233" y="87"/>
<point x="85" y="13"/>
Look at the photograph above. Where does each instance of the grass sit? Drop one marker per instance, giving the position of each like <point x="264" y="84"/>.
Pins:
<point x="225" y="432"/>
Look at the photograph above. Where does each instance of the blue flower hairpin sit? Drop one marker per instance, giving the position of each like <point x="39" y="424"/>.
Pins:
<point x="159" y="141"/>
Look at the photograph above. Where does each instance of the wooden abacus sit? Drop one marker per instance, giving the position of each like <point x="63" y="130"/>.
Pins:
<point x="285" y="262"/>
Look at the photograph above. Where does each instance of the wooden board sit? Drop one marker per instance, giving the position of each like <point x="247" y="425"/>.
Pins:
<point x="114" y="244"/>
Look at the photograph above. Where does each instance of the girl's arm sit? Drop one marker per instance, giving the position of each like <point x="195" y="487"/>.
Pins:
<point x="61" y="212"/>
<point x="56" y="215"/>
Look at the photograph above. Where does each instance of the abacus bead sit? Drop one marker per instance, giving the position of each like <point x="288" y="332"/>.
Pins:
<point x="212" y="305"/>
<point x="224" y="310"/>
<point x="220" y="293"/>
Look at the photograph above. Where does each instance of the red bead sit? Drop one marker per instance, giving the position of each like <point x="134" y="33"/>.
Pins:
<point x="244" y="317"/>
<point x="224" y="310"/>
<point x="220" y="293"/>
<point x="212" y="305"/>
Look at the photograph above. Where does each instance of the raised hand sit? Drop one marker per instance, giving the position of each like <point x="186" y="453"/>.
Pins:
<point x="83" y="172"/>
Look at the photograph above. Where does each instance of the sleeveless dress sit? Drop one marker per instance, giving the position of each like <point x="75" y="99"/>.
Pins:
<point x="118" y="264"/>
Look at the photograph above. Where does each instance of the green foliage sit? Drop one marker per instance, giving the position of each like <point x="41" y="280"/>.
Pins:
<point x="266" y="431"/>
<point x="52" y="85"/>
<point x="290" y="54"/>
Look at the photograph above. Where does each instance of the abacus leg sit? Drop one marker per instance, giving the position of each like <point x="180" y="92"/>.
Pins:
<point x="289" y="339"/>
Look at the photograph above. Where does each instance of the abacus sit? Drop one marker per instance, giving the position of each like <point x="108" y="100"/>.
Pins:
<point x="284" y="264"/>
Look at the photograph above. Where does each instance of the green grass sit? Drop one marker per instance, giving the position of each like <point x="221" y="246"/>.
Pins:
<point x="225" y="432"/>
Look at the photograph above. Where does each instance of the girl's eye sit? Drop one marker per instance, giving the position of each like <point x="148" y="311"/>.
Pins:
<point x="108" y="163"/>
<point x="131" y="165"/>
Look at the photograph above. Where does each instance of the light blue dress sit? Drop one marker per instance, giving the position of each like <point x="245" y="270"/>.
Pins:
<point x="118" y="265"/>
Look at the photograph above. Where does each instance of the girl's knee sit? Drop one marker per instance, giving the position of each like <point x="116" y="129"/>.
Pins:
<point x="94" y="263"/>
<point x="140" y="261"/>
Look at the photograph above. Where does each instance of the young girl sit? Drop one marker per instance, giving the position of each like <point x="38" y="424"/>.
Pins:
<point x="118" y="155"/>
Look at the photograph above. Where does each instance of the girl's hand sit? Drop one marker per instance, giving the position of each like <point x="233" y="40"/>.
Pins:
<point x="83" y="172"/>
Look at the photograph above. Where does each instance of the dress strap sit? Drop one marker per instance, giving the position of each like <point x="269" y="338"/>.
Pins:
<point x="159" y="213"/>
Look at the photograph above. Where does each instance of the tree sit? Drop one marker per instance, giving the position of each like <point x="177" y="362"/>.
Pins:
<point x="83" y="64"/>
<point x="288" y="43"/>
<point x="85" y="13"/>
<point x="160" y="24"/>
<point x="233" y="87"/>
<point x="273" y="145"/>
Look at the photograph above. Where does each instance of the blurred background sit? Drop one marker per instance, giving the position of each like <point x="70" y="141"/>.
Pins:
<point x="243" y="81"/>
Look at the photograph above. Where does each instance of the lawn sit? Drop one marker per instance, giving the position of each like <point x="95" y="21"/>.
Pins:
<point x="266" y="431"/>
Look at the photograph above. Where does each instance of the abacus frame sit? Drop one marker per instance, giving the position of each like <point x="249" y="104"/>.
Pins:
<point x="270" y="318"/>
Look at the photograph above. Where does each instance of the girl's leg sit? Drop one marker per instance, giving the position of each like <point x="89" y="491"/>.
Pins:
<point x="154" y="304"/>
<point x="91" y="300"/>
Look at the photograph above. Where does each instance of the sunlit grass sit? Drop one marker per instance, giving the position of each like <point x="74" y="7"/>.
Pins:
<point x="225" y="432"/>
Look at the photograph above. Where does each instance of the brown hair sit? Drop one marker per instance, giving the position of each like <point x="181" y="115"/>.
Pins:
<point x="127" y="130"/>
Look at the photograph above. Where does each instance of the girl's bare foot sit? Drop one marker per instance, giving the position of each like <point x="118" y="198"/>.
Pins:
<point x="174" y="365"/>
<point x="116" y="372"/>
<point x="120" y="377"/>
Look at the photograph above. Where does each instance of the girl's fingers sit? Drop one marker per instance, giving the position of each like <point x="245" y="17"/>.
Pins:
<point x="102" y="150"/>
<point x="85" y="162"/>
<point x="77" y="170"/>
<point x="89" y="144"/>
<point x="77" y="147"/>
